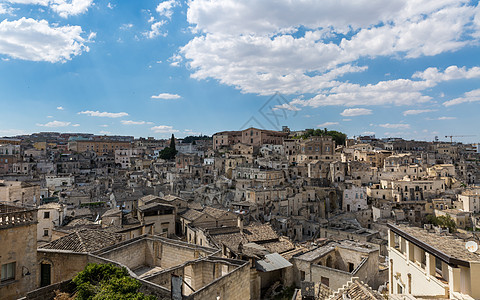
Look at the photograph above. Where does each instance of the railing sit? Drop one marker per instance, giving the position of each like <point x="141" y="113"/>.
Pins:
<point x="17" y="218"/>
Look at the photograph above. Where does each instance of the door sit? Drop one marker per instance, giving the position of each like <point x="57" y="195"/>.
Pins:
<point x="45" y="272"/>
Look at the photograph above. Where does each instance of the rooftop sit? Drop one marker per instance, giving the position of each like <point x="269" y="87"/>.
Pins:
<point x="85" y="240"/>
<point x="447" y="247"/>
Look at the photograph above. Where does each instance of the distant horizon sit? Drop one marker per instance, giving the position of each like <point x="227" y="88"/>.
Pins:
<point x="440" y="139"/>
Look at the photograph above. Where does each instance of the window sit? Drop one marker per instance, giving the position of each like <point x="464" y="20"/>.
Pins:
<point x="350" y="267"/>
<point x="302" y="275"/>
<point x="45" y="232"/>
<point x="8" y="272"/>
<point x="46" y="214"/>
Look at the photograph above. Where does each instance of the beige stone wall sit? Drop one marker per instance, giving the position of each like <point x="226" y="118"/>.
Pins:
<point x="234" y="286"/>
<point x="19" y="245"/>
<point x="64" y="265"/>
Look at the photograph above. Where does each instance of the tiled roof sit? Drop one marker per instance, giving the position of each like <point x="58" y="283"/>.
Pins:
<point x="153" y="206"/>
<point x="85" y="240"/>
<point x="214" y="212"/>
<point x="260" y="232"/>
<point x="191" y="214"/>
<point x="283" y="245"/>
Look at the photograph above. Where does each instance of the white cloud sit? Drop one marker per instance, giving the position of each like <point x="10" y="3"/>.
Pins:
<point x="54" y="124"/>
<point x="397" y="92"/>
<point x="450" y="73"/>
<point x="163" y="129"/>
<point x="353" y="112"/>
<point x="175" y="60"/>
<point x="326" y="124"/>
<point x="417" y="111"/>
<point x="60" y="108"/>
<point x="104" y="132"/>
<point x="166" y="96"/>
<point x="75" y="125"/>
<point x="29" y="39"/>
<point x="64" y="8"/>
<point x="472" y="96"/>
<point x="103" y="125"/>
<point x="368" y="133"/>
<point x="156" y="30"/>
<point x="5" y="10"/>
<point x="125" y="122"/>
<point x="165" y="8"/>
<point x="446" y="118"/>
<point x="126" y="26"/>
<point x="286" y="106"/>
<point x="103" y="114"/>
<point x="395" y="126"/>
<point x="254" y="48"/>
<point x="110" y="5"/>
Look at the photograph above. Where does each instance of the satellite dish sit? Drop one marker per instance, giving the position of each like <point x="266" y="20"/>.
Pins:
<point x="471" y="246"/>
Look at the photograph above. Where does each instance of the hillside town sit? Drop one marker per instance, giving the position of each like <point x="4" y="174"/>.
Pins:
<point x="248" y="214"/>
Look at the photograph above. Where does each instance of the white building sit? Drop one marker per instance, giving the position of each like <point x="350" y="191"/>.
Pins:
<point x="49" y="216"/>
<point x="425" y="264"/>
<point x="470" y="200"/>
<point x="355" y="199"/>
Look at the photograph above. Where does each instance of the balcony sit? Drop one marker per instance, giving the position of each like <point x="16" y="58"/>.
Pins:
<point x="12" y="216"/>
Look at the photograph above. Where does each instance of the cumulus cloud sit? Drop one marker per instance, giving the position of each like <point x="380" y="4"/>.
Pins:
<point x="64" y="8"/>
<point x="29" y="39"/>
<point x="166" y="96"/>
<point x="417" y="111"/>
<point x="103" y="114"/>
<point x="326" y="124"/>
<point x="55" y="124"/>
<point x="472" y="96"/>
<point x="156" y="30"/>
<point x="163" y="129"/>
<point x="259" y="49"/>
<point x="353" y="112"/>
<point x="165" y="8"/>
<point x="128" y="122"/>
<point x="450" y="73"/>
<point x="395" y="126"/>
<point x="60" y="108"/>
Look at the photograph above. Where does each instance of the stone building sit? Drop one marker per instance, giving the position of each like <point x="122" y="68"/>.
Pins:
<point x="18" y="251"/>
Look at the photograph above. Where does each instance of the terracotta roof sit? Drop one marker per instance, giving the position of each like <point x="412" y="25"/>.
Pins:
<point x="85" y="240"/>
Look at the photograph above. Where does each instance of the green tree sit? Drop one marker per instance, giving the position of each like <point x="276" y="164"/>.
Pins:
<point x="172" y="143"/>
<point x="169" y="152"/>
<point x="106" y="281"/>
<point x="442" y="221"/>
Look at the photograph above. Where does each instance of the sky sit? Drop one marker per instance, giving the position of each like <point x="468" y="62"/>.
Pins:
<point x="393" y="68"/>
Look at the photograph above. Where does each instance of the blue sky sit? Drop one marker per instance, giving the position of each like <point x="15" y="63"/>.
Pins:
<point x="403" y="68"/>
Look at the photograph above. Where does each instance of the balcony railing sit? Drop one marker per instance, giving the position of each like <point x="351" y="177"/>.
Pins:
<point x="18" y="218"/>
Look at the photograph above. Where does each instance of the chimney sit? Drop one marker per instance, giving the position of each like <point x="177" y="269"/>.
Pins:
<point x="240" y="222"/>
